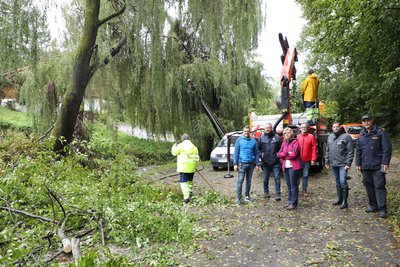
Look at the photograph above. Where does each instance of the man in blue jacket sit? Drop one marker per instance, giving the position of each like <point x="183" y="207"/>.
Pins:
<point x="373" y="153"/>
<point x="245" y="160"/>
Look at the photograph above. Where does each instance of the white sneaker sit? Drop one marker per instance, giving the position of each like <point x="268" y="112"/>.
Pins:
<point x="248" y="199"/>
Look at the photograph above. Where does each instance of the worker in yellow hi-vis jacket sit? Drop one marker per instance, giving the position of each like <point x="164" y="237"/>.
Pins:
<point x="309" y="92"/>
<point x="188" y="158"/>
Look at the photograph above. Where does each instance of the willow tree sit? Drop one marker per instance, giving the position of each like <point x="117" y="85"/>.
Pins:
<point x="210" y="42"/>
<point x="355" y="47"/>
<point x="85" y="66"/>
<point x="23" y="38"/>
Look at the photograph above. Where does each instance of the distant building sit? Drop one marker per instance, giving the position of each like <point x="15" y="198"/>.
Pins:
<point x="8" y="91"/>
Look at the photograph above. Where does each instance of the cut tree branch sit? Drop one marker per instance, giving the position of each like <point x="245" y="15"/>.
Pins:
<point x="103" y="239"/>
<point x="29" y="215"/>
<point x="52" y="195"/>
<point x="84" y="233"/>
<point x="54" y="256"/>
<point x="67" y="247"/>
<point x="45" y="134"/>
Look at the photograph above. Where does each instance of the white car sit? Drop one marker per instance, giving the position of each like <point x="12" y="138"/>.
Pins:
<point x="219" y="156"/>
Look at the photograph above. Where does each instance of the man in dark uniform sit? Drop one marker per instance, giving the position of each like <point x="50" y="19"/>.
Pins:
<point x="373" y="153"/>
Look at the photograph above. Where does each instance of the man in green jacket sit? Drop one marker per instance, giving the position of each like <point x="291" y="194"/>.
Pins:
<point x="188" y="158"/>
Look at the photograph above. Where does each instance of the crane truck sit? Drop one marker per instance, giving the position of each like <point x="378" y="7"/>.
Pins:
<point x="287" y="118"/>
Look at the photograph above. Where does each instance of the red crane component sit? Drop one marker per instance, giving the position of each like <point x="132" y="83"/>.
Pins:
<point x="288" y="58"/>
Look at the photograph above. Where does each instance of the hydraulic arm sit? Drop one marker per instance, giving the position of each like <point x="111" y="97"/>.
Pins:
<point x="219" y="129"/>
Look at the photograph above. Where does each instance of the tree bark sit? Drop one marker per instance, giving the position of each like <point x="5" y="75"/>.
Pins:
<point x="80" y="76"/>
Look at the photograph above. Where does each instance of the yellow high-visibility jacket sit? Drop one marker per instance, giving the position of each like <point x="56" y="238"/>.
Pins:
<point x="188" y="156"/>
<point x="309" y="88"/>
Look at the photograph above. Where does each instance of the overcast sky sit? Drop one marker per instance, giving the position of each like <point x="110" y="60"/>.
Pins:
<point x="283" y="16"/>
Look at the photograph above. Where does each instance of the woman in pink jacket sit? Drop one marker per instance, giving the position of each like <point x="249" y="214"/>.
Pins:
<point x="291" y="166"/>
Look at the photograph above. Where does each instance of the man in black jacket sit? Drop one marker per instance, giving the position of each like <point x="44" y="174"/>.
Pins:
<point x="269" y="144"/>
<point x="373" y="153"/>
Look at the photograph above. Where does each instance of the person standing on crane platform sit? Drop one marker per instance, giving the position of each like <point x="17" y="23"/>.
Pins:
<point x="309" y="92"/>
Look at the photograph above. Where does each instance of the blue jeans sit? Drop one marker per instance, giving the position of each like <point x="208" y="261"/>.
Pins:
<point x="340" y="175"/>
<point x="245" y="169"/>
<point x="292" y="182"/>
<point x="275" y="172"/>
<point x="306" y="171"/>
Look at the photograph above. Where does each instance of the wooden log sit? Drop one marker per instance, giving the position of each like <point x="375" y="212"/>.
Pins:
<point x="76" y="251"/>
<point x="67" y="247"/>
<point x="66" y="242"/>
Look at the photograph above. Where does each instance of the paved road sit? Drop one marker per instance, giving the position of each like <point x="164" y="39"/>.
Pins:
<point x="315" y="234"/>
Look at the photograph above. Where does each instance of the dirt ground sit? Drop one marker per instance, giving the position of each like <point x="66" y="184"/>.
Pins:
<point x="317" y="233"/>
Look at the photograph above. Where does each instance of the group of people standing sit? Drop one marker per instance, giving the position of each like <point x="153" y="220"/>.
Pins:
<point x="295" y="155"/>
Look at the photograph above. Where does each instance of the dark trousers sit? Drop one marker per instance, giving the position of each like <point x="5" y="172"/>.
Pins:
<point x="374" y="182"/>
<point x="186" y="177"/>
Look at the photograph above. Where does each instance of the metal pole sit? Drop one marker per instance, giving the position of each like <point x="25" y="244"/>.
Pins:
<point x="229" y="175"/>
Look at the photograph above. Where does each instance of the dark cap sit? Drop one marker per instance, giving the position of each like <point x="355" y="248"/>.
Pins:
<point x="366" y="117"/>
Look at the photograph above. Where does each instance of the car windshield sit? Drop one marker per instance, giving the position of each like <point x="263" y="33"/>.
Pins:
<point x="354" y="129"/>
<point x="224" y="142"/>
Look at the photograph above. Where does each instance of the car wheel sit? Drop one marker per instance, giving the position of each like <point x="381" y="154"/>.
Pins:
<point x="215" y="168"/>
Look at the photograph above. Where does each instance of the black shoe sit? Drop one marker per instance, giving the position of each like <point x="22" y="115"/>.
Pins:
<point x="186" y="200"/>
<point x="371" y="209"/>
<point x="383" y="214"/>
<point x="337" y="202"/>
<point x="278" y="198"/>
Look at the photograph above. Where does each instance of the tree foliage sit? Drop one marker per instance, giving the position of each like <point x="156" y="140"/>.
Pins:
<point x="355" y="47"/>
<point x="168" y="42"/>
<point x="209" y="42"/>
<point x="100" y="189"/>
<point x="23" y="37"/>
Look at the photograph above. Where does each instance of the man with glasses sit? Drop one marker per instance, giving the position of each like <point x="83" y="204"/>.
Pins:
<point x="373" y="153"/>
<point x="245" y="160"/>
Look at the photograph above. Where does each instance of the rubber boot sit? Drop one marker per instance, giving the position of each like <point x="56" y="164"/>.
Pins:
<point x="190" y="184"/>
<point x="345" y="193"/>
<point x="185" y="192"/>
<point x="340" y="197"/>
